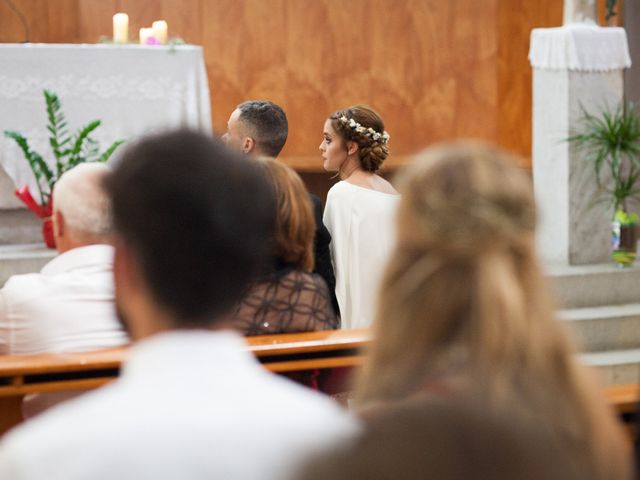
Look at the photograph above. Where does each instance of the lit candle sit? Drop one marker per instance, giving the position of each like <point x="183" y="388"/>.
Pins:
<point x="145" y="35"/>
<point x="160" y="31"/>
<point x="120" y="28"/>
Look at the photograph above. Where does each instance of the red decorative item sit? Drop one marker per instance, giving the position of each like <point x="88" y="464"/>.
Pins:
<point x="47" y="233"/>
<point x="42" y="211"/>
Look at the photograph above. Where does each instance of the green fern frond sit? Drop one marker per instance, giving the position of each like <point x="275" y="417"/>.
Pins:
<point x="68" y="150"/>
<point x="57" y="128"/>
<point x="109" y="151"/>
<point x="39" y="167"/>
<point x="81" y="136"/>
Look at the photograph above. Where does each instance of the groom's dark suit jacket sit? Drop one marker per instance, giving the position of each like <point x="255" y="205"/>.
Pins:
<point x="323" y="265"/>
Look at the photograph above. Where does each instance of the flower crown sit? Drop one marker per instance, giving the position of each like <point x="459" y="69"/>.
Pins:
<point x="367" y="132"/>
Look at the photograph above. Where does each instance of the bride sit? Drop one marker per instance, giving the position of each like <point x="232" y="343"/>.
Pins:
<point x="360" y="209"/>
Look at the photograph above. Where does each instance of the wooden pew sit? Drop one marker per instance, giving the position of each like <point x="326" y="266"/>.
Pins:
<point x="624" y="398"/>
<point x="20" y="375"/>
<point x="54" y="372"/>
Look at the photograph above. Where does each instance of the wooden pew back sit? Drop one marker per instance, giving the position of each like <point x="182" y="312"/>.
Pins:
<point x="288" y="353"/>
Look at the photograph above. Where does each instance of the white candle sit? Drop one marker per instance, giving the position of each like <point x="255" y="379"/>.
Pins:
<point x="160" y="31"/>
<point x="145" y="34"/>
<point x="120" y="28"/>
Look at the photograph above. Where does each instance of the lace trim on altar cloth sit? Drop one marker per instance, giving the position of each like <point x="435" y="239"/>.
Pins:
<point x="87" y="87"/>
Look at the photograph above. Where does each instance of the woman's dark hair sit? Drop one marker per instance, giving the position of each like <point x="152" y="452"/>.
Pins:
<point x="197" y="217"/>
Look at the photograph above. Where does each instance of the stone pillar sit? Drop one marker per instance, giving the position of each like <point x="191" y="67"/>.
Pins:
<point x="574" y="67"/>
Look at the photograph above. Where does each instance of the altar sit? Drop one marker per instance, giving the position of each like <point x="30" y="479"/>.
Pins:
<point x="133" y="89"/>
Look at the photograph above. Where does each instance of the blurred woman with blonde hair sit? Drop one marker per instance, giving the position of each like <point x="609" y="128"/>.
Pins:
<point x="464" y="309"/>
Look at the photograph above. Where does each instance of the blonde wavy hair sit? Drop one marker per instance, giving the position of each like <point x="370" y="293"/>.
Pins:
<point x="463" y="302"/>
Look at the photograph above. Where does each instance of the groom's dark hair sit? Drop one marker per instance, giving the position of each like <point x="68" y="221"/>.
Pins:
<point x="266" y="123"/>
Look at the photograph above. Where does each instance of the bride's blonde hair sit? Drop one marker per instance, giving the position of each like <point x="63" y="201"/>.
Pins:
<point x="463" y="297"/>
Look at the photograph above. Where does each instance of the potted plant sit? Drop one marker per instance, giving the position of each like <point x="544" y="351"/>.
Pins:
<point x="611" y="142"/>
<point x="68" y="150"/>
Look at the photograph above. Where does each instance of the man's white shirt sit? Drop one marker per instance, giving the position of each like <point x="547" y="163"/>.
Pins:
<point x="66" y="307"/>
<point x="188" y="405"/>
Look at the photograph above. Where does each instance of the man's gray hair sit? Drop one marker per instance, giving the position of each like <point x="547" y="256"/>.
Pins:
<point x="80" y="197"/>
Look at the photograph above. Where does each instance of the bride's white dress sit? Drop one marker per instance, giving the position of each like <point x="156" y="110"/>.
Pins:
<point x="362" y="226"/>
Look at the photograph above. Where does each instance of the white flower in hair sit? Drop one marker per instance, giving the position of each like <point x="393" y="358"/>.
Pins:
<point x="366" y="131"/>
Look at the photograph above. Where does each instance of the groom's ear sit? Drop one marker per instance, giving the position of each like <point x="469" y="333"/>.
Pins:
<point x="248" y="144"/>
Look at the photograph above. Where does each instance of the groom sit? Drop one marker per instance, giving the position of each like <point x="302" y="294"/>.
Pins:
<point x="260" y="128"/>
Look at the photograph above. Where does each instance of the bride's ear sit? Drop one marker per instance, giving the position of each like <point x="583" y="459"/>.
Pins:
<point x="352" y="148"/>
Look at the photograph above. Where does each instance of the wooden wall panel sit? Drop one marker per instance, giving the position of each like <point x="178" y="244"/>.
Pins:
<point x="57" y="27"/>
<point x="515" y="22"/>
<point x="11" y="30"/>
<point x="96" y="19"/>
<point x="417" y="62"/>
<point x="434" y="70"/>
<point x="48" y="21"/>
<point x="475" y="53"/>
<point x="185" y="19"/>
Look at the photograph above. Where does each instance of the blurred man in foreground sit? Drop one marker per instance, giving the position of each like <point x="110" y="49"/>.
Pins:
<point x="193" y="225"/>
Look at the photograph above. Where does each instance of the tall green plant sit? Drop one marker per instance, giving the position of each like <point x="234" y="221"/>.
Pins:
<point x="612" y="140"/>
<point x="68" y="149"/>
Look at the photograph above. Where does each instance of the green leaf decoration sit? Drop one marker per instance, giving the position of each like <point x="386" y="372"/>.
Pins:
<point x="109" y="151"/>
<point x="78" y="155"/>
<point x="39" y="167"/>
<point x="68" y="150"/>
<point x="611" y="141"/>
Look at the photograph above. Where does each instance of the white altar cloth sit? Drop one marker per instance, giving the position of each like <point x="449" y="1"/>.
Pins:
<point x="133" y="89"/>
<point x="580" y="47"/>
